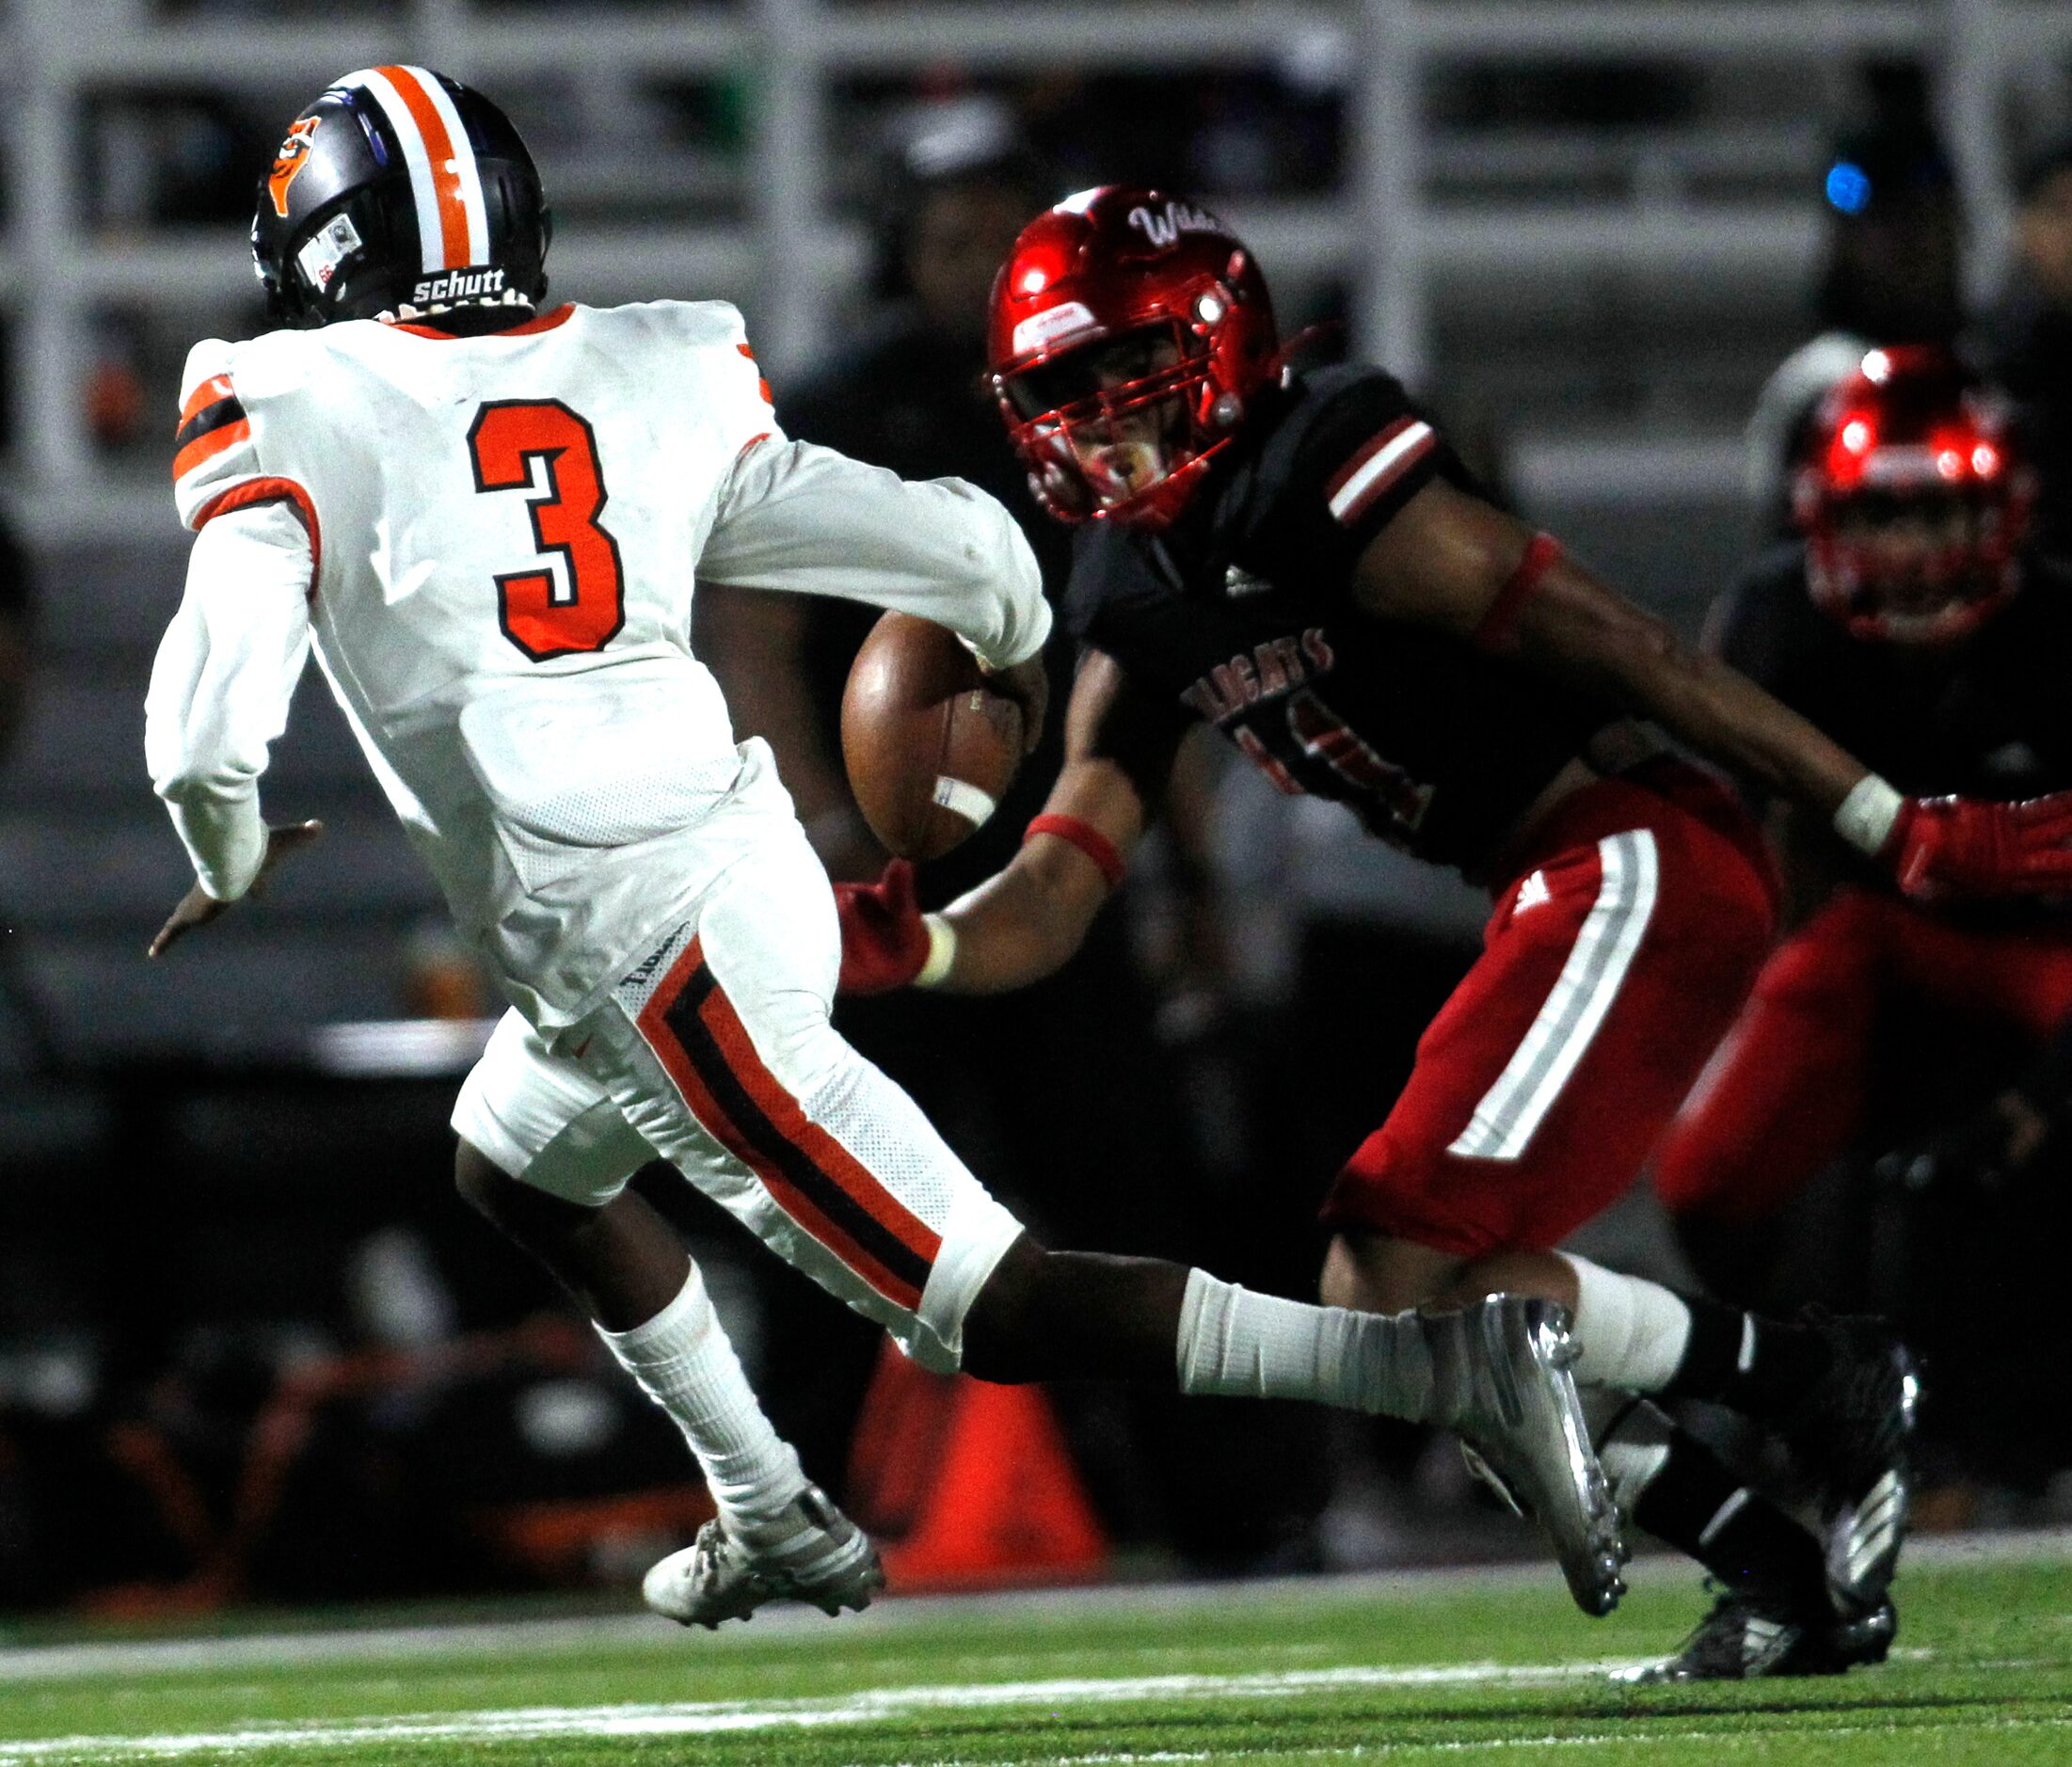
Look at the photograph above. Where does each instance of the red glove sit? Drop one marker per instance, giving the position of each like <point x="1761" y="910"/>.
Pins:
<point x="1943" y="849"/>
<point x="884" y="941"/>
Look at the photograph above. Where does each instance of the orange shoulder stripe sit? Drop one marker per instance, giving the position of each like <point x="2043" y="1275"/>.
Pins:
<point x="207" y="394"/>
<point x="204" y="448"/>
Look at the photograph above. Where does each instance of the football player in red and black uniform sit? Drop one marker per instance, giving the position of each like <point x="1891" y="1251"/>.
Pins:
<point x="1301" y="562"/>
<point x="1911" y="623"/>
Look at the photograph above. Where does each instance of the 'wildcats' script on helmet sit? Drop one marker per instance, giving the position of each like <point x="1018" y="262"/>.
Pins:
<point x="1162" y="227"/>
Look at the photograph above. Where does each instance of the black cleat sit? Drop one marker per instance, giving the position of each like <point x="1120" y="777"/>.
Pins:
<point x="1748" y="1636"/>
<point x="1852" y="1431"/>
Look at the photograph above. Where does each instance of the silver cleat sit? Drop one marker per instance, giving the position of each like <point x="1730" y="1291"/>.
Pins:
<point x="1501" y="1372"/>
<point x="823" y="1559"/>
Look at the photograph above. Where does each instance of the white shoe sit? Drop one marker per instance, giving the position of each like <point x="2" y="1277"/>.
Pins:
<point x="812" y="1553"/>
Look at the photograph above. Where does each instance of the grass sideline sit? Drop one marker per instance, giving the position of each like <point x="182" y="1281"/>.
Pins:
<point x="1427" y="1668"/>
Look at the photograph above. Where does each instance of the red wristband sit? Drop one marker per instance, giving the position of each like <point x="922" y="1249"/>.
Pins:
<point x="1542" y="552"/>
<point x="1084" y="836"/>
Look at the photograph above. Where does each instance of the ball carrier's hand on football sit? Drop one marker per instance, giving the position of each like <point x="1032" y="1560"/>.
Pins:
<point x="1027" y="684"/>
<point x="196" y="908"/>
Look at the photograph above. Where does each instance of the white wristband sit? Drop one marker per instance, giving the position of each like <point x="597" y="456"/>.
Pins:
<point x="941" y="951"/>
<point x="1867" y="814"/>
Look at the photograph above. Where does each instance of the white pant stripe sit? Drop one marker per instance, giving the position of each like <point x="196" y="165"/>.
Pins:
<point x="1510" y="1111"/>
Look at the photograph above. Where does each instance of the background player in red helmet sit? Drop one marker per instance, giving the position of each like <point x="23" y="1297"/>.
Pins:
<point x="1911" y="623"/>
<point x="1300" y="560"/>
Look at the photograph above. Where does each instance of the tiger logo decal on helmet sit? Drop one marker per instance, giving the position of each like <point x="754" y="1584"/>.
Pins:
<point x="289" y="162"/>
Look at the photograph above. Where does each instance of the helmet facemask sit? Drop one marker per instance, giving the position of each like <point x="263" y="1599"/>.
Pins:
<point x="1918" y="568"/>
<point x="1914" y="529"/>
<point x="1121" y="428"/>
<point x="1110" y="422"/>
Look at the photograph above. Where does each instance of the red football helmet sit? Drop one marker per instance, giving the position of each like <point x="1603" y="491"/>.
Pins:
<point x="1128" y="333"/>
<point x="1913" y="500"/>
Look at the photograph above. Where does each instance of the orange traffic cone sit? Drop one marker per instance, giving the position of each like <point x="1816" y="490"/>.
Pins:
<point x="967" y="1484"/>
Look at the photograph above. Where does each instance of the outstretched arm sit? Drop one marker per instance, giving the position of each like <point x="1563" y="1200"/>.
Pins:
<point x="1452" y="562"/>
<point x="220" y="687"/>
<point x="1027" y="919"/>
<point x="1447" y="559"/>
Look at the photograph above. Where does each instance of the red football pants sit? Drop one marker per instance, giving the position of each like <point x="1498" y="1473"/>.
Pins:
<point x="1613" y="963"/>
<point x="1786" y="1092"/>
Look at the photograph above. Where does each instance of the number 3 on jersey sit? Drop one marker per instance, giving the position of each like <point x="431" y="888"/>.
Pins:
<point x="578" y="602"/>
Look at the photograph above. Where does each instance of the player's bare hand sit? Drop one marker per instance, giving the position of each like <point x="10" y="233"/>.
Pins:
<point x="1027" y="684"/>
<point x="196" y="908"/>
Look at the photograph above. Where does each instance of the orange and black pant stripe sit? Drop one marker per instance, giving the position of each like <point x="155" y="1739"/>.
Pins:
<point x="698" y="1036"/>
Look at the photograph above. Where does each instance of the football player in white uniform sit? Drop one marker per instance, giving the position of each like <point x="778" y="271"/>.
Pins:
<point x="485" y="515"/>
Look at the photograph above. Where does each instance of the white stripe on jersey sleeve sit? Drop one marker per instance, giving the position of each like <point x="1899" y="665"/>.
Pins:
<point x="1387" y="464"/>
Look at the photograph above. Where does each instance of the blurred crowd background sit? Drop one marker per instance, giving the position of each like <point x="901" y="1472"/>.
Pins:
<point x="252" y="1345"/>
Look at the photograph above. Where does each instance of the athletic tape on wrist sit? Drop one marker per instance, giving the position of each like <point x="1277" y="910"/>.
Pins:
<point x="1869" y="813"/>
<point x="1084" y="836"/>
<point x="941" y="951"/>
<point x="1541" y="553"/>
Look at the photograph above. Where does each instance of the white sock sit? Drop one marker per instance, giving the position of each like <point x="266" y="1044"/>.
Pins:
<point x="684" y="1362"/>
<point x="1631" y="1333"/>
<point x="1235" y="1342"/>
<point x="1632" y="1436"/>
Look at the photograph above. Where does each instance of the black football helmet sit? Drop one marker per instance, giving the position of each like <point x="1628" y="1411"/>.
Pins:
<point x="399" y="193"/>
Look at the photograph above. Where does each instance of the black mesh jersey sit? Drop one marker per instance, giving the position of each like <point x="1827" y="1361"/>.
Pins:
<point x="1988" y="717"/>
<point x="1242" y="613"/>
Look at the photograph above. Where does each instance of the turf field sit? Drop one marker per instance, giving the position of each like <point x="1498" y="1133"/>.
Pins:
<point x="1414" y="1669"/>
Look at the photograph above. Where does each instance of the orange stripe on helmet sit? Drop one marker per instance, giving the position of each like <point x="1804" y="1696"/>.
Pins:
<point x="441" y="151"/>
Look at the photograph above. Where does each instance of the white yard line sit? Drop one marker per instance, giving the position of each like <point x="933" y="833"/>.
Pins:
<point x="1627" y="1736"/>
<point x="613" y="1632"/>
<point x="719" y="1717"/>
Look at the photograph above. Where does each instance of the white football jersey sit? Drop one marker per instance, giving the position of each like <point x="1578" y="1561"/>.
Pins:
<point x="504" y="533"/>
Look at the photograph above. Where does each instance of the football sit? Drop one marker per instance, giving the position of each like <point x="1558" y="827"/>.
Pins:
<point x="929" y="750"/>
